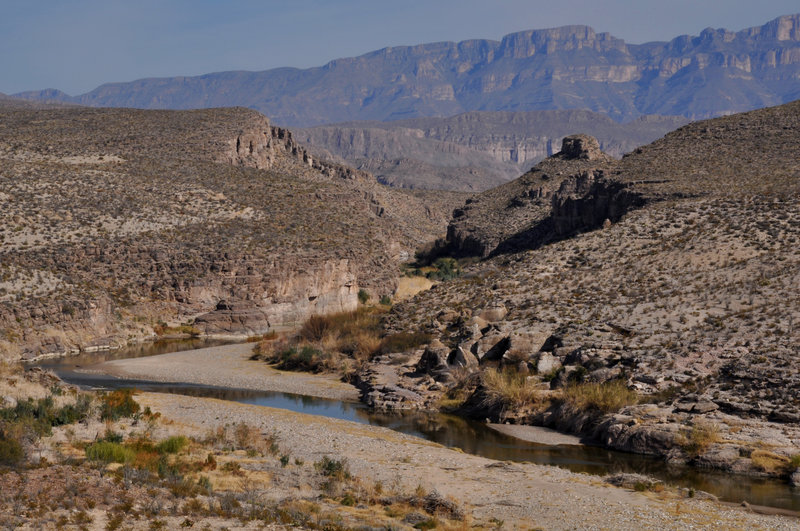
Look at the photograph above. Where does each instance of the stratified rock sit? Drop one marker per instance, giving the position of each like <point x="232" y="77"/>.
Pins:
<point x="581" y="147"/>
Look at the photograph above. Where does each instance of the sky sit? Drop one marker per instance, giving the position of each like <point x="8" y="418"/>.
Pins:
<point x="77" y="45"/>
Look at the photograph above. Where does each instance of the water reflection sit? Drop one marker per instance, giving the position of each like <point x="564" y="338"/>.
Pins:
<point x="448" y="430"/>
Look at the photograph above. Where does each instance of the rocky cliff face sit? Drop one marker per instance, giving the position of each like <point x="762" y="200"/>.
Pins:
<point x="560" y="195"/>
<point x="716" y="73"/>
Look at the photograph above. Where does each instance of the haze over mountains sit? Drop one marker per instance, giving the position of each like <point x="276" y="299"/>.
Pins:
<point x="472" y="151"/>
<point x="572" y="67"/>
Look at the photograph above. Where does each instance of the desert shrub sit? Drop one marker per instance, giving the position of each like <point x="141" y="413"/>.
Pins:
<point x="11" y="451"/>
<point x="697" y="439"/>
<point x="333" y="468"/>
<point x="172" y="445"/>
<point x="403" y="341"/>
<point x="606" y="397"/>
<point x="386" y="300"/>
<point x="42" y="414"/>
<point x="508" y="388"/>
<point x="109" y="452"/>
<point x="445" y="269"/>
<point x="302" y="358"/>
<point x="363" y="296"/>
<point x="118" y="404"/>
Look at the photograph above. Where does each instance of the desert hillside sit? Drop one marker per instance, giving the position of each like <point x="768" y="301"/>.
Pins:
<point x="674" y="271"/>
<point x="116" y="223"/>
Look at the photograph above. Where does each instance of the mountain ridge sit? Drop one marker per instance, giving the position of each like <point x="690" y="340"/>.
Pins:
<point x="715" y="73"/>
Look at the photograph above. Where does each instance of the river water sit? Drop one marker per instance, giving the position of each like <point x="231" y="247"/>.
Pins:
<point x="448" y="430"/>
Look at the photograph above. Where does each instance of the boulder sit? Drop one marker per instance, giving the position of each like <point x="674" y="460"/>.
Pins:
<point x="547" y="363"/>
<point x="497" y="351"/>
<point x="461" y="357"/>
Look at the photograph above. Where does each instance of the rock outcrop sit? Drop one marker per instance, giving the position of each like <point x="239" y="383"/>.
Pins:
<point x="522" y="214"/>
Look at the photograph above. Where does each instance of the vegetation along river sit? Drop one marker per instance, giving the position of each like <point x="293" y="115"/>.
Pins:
<point x="448" y="430"/>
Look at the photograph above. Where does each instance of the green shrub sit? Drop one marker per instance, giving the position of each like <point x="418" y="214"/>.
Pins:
<point x="11" y="452"/>
<point x="363" y="296"/>
<point x="386" y="300"/>
<point x="173" y="445"/>
<point x="109" y="452"/>
<point x="446" y="269"/>
<point x="41" y="415"/>
<point x="305" y="358"/>
<point x="335" y="469"/>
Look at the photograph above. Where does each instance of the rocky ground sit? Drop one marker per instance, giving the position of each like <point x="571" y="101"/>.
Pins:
<point x="118" y="224"/>
<point x="673" y="271"/>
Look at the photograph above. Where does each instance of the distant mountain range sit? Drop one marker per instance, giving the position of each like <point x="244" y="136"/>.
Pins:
<point x="572" y="67"/>
<point x="472" y="151"/>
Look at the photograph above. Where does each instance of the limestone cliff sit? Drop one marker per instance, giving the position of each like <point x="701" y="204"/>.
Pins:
<point x="715" y="73"/>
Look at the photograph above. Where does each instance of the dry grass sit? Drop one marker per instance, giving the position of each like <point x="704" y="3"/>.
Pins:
<point x="339" y="342"/>
<point x="696" y="440"/>
<point x="509" y="388"/>
<point x="407" y="287"/>
<point x="770" y="462"/>
<point x="606" y="397"/>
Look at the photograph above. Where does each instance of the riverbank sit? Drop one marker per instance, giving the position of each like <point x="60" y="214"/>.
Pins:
<point x="226" y="366"/>
<point x="521" y="495"/>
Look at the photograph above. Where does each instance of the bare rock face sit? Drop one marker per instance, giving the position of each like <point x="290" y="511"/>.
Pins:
<point x="284" y="300"/>
<point x="587" y="200"/>
<point x="124" y="219"/>
<point x="581" y="147"/>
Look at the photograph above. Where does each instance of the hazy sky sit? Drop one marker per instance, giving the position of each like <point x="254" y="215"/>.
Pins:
<point x="76" y="45"/>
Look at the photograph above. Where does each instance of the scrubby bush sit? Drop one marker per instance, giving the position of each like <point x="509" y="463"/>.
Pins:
<point x="11" y="451"/>
<point x="172" y="445"/>
<point x="363" y="296"/>
<point x="508" y="388"/>
<point x="118" y="404"/>
<point x="697" y="439"/>
<point x="109" y="452"/>
<point x="42" y="414"/>
<point x="606" y="397"/>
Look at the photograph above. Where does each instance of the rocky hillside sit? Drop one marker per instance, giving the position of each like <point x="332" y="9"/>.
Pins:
<point x="472" y="151"/>
<point x="674" y="271"/>
<point x="119" y="223"/>
<point x="715" y="73"/>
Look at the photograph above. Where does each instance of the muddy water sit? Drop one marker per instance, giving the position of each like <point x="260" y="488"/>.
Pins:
<point x="448" y="430"/>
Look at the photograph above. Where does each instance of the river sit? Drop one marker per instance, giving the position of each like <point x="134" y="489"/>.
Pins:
<point x="448" y="430"/>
